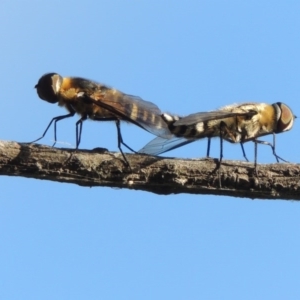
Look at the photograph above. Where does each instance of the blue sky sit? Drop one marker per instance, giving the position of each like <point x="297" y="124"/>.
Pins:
<point x="61" y="241"/>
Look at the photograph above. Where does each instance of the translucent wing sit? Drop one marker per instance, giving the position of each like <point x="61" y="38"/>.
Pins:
<point x="161" y="145"/>
<point x="208" y="116"/>
<point x="133" y="109"/>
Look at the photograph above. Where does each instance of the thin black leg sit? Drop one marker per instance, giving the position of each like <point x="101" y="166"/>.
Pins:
<point x="255" y="157"/>
<point x="78" y="136"/>
<point x="221" y="147"/>
<point x="244" y="153"/>
<point x="278" y="158"/>
<point x="79" y="131"/>
<point x="55" y="120"/>
<point x="221" y="154"/>
<point x="120" y="141"/>
<point x="208" y="147"/>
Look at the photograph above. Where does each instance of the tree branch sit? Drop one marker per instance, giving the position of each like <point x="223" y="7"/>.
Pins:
<point x="158" y="175"/>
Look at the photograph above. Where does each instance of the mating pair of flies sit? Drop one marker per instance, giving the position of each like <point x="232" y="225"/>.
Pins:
<point x="237" y="123"/>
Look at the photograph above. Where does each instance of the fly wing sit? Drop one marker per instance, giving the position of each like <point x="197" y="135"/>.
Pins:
<point x="133" y="109"/>
<point x="161" y="145"/>
<point x="208" y="116"/>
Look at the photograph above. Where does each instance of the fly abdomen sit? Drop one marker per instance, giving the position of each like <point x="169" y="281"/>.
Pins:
<point x="176" y="130"/>
<point x="134" y="111"/>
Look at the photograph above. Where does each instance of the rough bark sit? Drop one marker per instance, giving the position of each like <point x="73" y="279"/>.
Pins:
<point x="158" y="175"/>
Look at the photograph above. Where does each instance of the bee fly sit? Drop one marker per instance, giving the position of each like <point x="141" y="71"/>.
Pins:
<point x="237" y="123"/>
<point x="100" y="103"/>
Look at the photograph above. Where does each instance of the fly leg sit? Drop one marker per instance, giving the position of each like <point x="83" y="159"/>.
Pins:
<point x="78" y="135"/>
<point x="255" y="157"/>
<point x="208" y="147"/>
<point x="244" y="153"/>
<point x="278" y="158"/>
<point x="79" y="131"/>
<point x="120" y="142"/>
<point x="223" y="128"/>
<point x="55" y="120"/>
<point x="120" y="139"/>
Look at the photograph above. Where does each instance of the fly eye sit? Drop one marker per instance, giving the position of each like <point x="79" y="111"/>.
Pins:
<point x="286" y="119"/>
<point x="47" y="86"/>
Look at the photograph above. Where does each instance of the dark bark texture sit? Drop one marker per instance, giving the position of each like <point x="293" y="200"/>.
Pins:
<point x="159" y="175"/>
